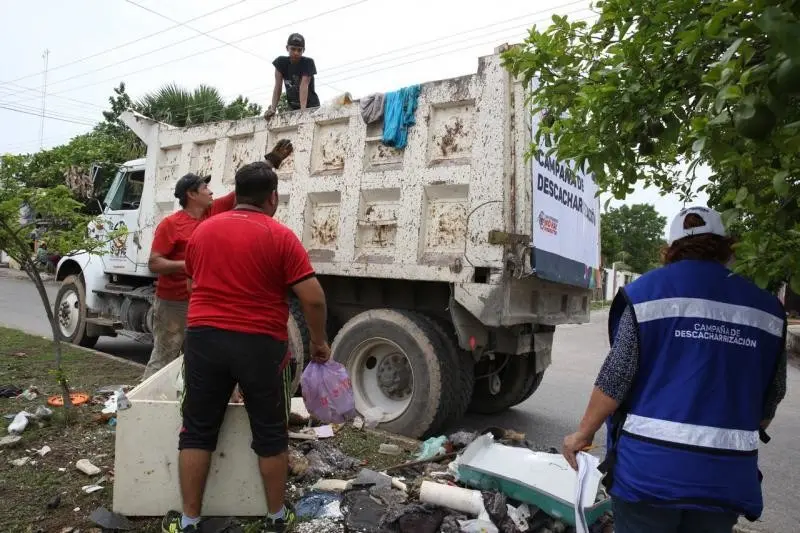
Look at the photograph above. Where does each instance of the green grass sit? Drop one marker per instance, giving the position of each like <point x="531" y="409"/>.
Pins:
<point x="600" y="304"/>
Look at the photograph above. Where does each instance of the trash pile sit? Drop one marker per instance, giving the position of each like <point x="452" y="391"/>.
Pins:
<point x="465" y="482"/>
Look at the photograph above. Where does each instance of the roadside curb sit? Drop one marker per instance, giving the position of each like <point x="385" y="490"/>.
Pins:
<point x="103" y="354"/>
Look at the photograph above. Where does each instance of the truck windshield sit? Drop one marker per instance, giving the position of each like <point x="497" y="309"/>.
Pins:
<point x="126" y="191"/>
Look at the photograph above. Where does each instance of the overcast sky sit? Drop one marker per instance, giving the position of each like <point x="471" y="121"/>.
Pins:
<point x="360" y="46"/>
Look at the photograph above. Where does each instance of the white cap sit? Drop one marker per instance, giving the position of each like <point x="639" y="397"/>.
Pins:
<point x="713" y="224"/>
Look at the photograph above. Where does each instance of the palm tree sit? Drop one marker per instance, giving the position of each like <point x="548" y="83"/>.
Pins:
<point x="180" y="107"/>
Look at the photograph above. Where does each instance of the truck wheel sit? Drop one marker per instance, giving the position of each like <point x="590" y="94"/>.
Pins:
<point x="533" y="387"/>
<point x="398" y="363"/>
<point x="69" y="311"/>
<point x="516" y="375"/>
<point x="466" y="370"/>
<point x="298" y="343"/>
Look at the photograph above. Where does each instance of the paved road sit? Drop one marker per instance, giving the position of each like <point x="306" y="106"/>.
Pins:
<point x="548" y="415"/>
<point x="21" y="307"/>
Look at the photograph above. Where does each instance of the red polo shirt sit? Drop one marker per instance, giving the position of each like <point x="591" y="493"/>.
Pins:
<point x="170" y="240"/>
<point x="242" y="264"/>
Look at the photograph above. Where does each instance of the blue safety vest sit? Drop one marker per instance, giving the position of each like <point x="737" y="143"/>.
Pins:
<point x="687" y="434"/>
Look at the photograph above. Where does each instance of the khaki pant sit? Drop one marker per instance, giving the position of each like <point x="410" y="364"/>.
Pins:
<point x="169" y="330"/>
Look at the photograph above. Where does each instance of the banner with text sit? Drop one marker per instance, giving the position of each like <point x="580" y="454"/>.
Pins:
<point x="566" y="218"/>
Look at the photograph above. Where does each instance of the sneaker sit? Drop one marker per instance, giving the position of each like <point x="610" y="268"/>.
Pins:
<point x="172" y="524"/>
<point x="280" y="525"/>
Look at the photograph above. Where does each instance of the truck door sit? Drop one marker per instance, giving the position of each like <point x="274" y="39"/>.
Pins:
<point x="122" y="214"/>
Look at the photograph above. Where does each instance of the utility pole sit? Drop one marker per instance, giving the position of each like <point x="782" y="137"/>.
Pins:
<point x="45" y="56"/>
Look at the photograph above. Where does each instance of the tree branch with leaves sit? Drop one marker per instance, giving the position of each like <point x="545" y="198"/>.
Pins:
<point x="655" y="89"/>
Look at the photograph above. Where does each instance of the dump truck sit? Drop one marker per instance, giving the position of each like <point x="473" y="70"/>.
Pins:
<point x="446" y="264"/>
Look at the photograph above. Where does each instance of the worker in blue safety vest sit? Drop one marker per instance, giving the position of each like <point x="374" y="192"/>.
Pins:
<point x="696" y="370"/>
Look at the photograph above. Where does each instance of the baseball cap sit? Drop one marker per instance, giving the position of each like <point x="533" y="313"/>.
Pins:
<point x="712" y="224"/>
<point x="189" y="182"/>
<point x="296" y="39"/>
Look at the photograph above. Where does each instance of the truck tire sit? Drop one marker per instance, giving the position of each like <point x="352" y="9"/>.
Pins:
<point x="69" y="311"/>
<point x="466" y="370"/>
<point x="397" y="361"/>
<point x="518" y="377"/>
<point x="534" y="386"/>
<point x="298" y="343"/>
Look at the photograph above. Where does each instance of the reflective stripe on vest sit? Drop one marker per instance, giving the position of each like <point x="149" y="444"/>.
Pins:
<point x="708" y="309"/>
<point x="692" y="435"/>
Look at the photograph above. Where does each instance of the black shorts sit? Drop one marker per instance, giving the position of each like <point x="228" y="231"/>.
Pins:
<point x="215" y="360"/>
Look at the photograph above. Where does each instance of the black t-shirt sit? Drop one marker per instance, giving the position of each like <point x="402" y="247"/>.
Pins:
<point x="292" y="74"/>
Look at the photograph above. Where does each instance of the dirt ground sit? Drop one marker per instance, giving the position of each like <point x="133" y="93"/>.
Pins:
<point x="27" y="361"/>
<point x="26" y="490"/>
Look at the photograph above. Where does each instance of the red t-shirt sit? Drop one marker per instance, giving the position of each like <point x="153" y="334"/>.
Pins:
<point x="170" y="240"/>
<point x="242" y="264"/>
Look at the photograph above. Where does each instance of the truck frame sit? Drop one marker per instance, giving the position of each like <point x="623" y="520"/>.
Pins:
<point x="426" y="254"/>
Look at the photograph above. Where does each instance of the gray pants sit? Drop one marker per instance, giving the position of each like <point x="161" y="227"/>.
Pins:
<point x="169" y="330"/>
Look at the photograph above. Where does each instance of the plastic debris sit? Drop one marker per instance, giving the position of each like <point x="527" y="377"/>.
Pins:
<point x="88" y="489"/>
<point x="324" y="432"/>
<point x="9" y="441"/>
<point x="431" y="448"/>
<point x="117" y="402"/>
<point x="324" y="460"/>
<point x="330" y="485"/>
<point x="358" y="422"/>
<point x="388" y="495"/>
<point x="21" y="461"/>
<point x="85" y="466"/>
<point x="30" y="394"/>
<point x="44" y="451"/>
<point x="462" y="439"/>
<point x="372" y="417"/>
<point x="520" y="515"/>
<point x="477" y="526"/>
<point x="390" y="449"/>
<point x="413" y="518"/>
<point x="9" y="391"/>
<point x="319" y="505"/>
<point x="371" y="477"/>
<point x="108" y="520"/>
<point x="361" y="512"/>
<point x="43" y="413"/>
<point x="19" y="423"/>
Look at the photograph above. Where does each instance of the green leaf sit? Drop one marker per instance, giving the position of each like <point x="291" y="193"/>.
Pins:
<point x="794" y="284"/>
<point x="731" y="50"/>
<point x="741" y="196"/>
<point x="762" y="279"/>
<point x="699" y="144"/>
<point x="780" y="184"/>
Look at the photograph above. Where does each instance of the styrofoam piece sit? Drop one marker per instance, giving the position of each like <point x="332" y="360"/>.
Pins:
<point x="146" y="456"/>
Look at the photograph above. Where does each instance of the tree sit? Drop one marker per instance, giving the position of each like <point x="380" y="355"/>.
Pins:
<point x="63" y="227"/>
<point x="633" y="235"/>
<point x="653" y="84"/>
<point x="180" y="107"/>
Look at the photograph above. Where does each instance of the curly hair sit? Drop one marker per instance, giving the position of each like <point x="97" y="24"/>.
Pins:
<point x="705" y="247"/>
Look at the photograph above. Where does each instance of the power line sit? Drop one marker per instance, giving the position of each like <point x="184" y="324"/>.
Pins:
<point x="134" y="41"/>
<point x="207" y="34"/>
<point x="244" y="93"/>
<point x="175" y="43"/>
<point x="293" y="23"/>
<point x="34" y="113"/>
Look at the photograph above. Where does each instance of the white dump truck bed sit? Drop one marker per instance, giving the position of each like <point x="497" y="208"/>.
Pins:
<point x="456" y="205"/>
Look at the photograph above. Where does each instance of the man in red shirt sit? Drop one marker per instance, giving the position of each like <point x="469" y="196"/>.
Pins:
<point x="242" y="264"/>
<point x="167" y="259"/>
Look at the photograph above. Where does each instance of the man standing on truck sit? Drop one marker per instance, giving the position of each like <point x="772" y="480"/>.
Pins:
<point x="241" y="265"/>
<point x="297" y="73"/>
<point x="167" y="258"/>
<point x="696" y="371"/>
